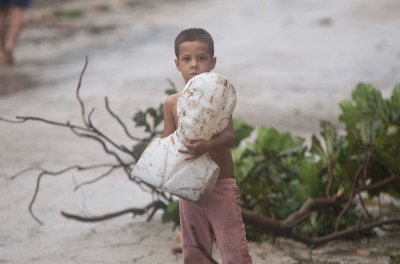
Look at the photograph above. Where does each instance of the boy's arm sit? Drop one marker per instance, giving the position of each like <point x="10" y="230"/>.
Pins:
<point x="169" y="122"/>
<point x="224" y="139"/>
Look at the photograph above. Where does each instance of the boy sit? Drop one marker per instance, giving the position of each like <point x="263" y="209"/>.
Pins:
<point x="194" y="49"/>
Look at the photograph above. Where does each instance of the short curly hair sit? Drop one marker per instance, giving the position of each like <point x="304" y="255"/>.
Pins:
<point x="194" y="34"/>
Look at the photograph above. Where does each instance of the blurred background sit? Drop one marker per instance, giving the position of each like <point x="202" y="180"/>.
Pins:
<point x="291" y="61"/>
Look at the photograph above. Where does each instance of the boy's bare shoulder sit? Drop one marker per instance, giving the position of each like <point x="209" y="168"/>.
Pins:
<point x="171" y="102"/>
<point x="173" y="97"/>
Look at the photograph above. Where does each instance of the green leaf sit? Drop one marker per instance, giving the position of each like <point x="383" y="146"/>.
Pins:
<point x="385" y="140"/>
<point x="396" y="94"/>
<point x="329" y="134"/>
<point x="242" y="130"/>
<point x="309" y="173"/>
<point x="350" y="112"/>
<point x="138" y="149"/>
<point x="70" y="14"/>
<point x="390" y="162"/>
<point x="140" y="120"/>
<point x="365" y="93"/>
<point x="317" y="149"/>
<point x="269" y="139"/>
<point x="171" y="214"/>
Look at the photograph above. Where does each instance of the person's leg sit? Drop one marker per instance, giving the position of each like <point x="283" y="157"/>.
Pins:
<point x="196" y="216"/>
<point x="226" y="220"/>
<point x="13" y="31"/>
<point x="3" y="27"/>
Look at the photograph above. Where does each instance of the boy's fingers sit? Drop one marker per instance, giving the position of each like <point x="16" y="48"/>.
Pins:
<point x="190" y="157"/>
<point x="187" y="144"/>
<point x="194" y="148"/>
<point x="193" y="153"/>
<point x="184" y="151"/>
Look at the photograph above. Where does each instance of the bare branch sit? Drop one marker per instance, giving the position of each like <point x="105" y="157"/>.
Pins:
<point x="11" y="121"/>
<point x="99" y="140"/>
<point x="347" y="232"/>
<point x="77" y="93"/>
<point x="120" y="121"/>
<point x="78" y="167"/>
<point x="364" y="207"/>
<point x="100" y="134"/>
<point x="98" y="178"/>
<point x="309" y="205"/>
<point x="24" y="171"/>
<point x="330" y="178"/>
<point x="45" y="172"/>
<point x="271" y="226"/>
<point x="135" y="211"/>
<point x="34" y="198"/>
<point x="378" y="184"/>
<point x="350" y="197"/>
<point x="27" y="118"/>
<point x="360" y="218"/>
<point x="89" y="131"/>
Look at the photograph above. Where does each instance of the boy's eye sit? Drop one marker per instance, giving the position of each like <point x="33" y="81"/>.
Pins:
<point x="202" y="58"/>
<point x="186" y="59"/>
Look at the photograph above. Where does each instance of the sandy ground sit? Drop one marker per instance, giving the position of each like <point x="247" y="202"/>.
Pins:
<point x="290" y="61"/>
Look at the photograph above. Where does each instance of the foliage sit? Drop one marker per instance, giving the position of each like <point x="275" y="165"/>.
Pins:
<point x="287" y="187"/>
<point x="172" y="213"/>
<point x="242" y="130"/>
<point x="395" y="256"/>
<point x="141" y="119"/>
<point x="278" y="172"/>
<point x="68" y="14"/>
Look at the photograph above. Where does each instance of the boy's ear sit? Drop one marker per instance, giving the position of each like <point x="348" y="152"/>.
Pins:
<point x="213" y="62"/>
<point x="177" y="65"/>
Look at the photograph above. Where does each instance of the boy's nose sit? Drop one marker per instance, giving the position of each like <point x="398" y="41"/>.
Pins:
<point x="194" y="64"/>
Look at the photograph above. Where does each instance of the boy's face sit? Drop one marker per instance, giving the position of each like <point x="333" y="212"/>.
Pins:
<point x="194" y="58"/>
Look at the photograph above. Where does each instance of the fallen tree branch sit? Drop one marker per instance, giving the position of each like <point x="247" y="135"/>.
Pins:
<point x="266" y="224"/>
<point x="98" y="178"/>
<point x="308" y="206"/>
<point x="330" y="178"/>
<point x="350" y="197"/>
<point x="51" y="173"/>
<point x="120" y="121"/>
<point x="156" y="205"/>
<point x="277" y="228"/>
<point x="77" y="167"/>
<point x="77" y="93"/>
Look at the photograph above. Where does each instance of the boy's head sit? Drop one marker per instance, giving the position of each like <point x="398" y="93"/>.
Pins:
<point x="194" y="34"/>
<point x="194" y="50"/>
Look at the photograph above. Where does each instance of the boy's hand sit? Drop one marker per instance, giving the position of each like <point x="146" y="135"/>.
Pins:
<point x="194" y="148"/>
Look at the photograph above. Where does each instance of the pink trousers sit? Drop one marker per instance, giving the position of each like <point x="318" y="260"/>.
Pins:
<point x="221" y="217"/>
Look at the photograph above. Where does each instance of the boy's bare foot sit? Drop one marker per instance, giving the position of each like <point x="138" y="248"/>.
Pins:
<point x="178" y="249"/>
